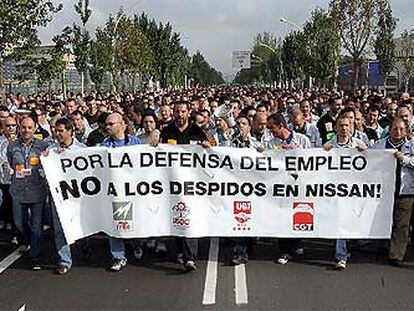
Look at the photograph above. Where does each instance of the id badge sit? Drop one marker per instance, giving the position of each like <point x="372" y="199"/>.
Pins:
<point x="19" y="174"/>
<point x="26" y="172"/>
<point x="34" y="161"/>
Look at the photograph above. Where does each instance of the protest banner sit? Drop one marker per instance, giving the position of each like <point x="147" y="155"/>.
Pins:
<point x="142" y="191"/>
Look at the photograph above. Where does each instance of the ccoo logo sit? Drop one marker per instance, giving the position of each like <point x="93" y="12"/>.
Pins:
<point x="122" y="213"/>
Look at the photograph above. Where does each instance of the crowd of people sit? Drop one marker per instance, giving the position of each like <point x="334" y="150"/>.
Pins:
<point x="239" y="117"/>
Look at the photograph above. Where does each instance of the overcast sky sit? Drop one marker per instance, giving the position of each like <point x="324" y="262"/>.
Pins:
<point x="215" y="27"/>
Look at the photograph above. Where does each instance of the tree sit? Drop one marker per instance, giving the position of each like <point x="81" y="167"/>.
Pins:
<point x="357" y="21"/>
<point x="99" y="65"/>
<point x="384" y="42"/>
<point x="125" y="49"/>
<point x="292" y="56"/>
<point x="202" y="73"/>
<point x="19" y="23"/>
<point x="267" y="49"/>
<point x="171" y="60"/>
<point x="406" y="56"/>
<point x="81" y="40"/>
<point x="322" y="47"/>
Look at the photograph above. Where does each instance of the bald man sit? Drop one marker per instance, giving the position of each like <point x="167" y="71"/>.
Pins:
<point x="116" y="129"/>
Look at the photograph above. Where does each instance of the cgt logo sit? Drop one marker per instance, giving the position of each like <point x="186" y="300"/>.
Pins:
<point x="180" y="217"/>
<point x="242" y="211"/>
<point x="122" y="213"/>
<point x="303" y="216"/>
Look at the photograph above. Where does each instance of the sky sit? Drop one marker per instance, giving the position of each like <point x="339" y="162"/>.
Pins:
<point x="215" y="27"/>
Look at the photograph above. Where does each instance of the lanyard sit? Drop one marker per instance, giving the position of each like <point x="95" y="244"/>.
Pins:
<point x="25" y="151"/>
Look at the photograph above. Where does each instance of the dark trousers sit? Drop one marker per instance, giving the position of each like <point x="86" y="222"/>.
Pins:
<point x="239" y="248"/>
<point x="288" y="246"/>
<point x="400" y="227"/>
<point x="187" y="247"/>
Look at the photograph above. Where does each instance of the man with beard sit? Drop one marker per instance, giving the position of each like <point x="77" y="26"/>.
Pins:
<point x="182" y="132"/>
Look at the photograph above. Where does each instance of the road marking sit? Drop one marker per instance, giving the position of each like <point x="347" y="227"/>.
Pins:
<point x="22" y="308"/>
<point x="210" y="285"/>
<point x="241" y="284"/>
<point x="8" y="261"/>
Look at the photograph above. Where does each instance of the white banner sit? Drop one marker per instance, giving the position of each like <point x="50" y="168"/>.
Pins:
<point x="142" y="191"/>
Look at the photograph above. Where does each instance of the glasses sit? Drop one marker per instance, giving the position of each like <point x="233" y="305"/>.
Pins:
<point x="11" y="125"/>
<point x="111" y="123"/>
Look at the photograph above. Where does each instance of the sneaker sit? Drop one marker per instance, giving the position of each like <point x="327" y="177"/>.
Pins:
<point x="46" y="227"/>
<point x="180" y="258"/>
<point x="118" y="265"/>
<point x="284" y="259"/>
<point x="300" y="251"/>
<point x="160" y="247"/>
<point x="138" y="253"/>
<point x="190" y="265"/>
<point x="395" y="262"/>
<point x="62" y="270"/>
<point x="14" y="241"/>
<point x="340" y="265"/>
<point x="24" y="249"/>
<point x="238" y="260"/>
<point x="35" y="266"/>
<point x="151" y="243"/>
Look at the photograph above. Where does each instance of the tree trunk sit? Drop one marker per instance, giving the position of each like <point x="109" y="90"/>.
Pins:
<point x="355" y="79"/>
<point x="64" y="84"/>
<point x="2" y="86"/>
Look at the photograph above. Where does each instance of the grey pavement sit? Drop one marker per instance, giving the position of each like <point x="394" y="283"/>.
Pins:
<point x="158" y="283"/>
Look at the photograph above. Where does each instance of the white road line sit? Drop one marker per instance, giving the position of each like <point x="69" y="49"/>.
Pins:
<point x="22" y="308"/>
<point x="8" y="261"/>
<point x="241" y="284"/>
<point x="210" y="285"/>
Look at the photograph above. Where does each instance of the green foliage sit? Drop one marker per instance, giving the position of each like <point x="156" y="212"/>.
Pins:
<point x="322" y="47"/>
<point x="384" y="42"/>
<point x="292" y="55"/>
<point x="202" y="73"/>
<point x="357" y="22"/>
<point x="19" y="23"/>
<point x="266" y="62"/>
<point x="407" y="56"/>
<point x="99" y="65"/>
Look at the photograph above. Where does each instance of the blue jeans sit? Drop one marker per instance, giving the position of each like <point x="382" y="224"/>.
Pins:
<point x="117" y="247"/>
<point x="31" y="229"/>
<point x="341" y="252"/>
<point x="62" y="247"/>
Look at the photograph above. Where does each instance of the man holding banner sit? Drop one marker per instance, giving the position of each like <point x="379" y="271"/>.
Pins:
<point x="403" y="191"/>
<point x="343" y="139"/>
<point x="64" y="141"/>
<point x="181" y="132"/>
<point x="284" y="138"/>
<point x="116" y="129"/>
<point x="28" y="186"/>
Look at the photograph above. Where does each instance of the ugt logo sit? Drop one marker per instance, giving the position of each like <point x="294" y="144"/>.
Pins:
<point x="122" y="213"/>
<point x="180" y="215"/>
<point x="242" y="211"/>
<point x="303" y="216"/>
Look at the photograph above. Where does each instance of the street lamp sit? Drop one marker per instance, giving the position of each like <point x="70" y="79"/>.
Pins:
<point x="285" y="21"/>
<point x="268" y="47"/>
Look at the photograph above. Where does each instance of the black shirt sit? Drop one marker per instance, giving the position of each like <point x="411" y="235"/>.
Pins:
<point x="326" y="127"/>
<point x="384" y="122"/>
<point x="95" y="138"/>
<point x="390" y="145"/>
<point x="193" y="133"/>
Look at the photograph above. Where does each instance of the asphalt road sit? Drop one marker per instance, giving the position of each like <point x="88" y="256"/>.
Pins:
<point x="157" y="282"/>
